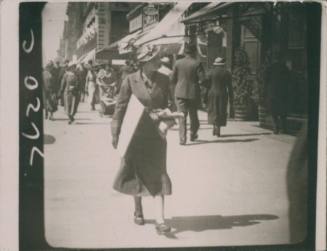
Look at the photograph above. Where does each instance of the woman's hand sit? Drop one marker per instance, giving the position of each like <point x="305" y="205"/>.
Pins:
<point x="154" y="116"/>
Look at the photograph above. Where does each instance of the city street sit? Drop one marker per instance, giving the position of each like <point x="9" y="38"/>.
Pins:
<point x="226" y="191"/>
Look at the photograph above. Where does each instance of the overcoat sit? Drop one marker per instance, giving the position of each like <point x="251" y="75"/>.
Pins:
<point x="220" y="90"/>
<point x="186" y="76"/>
<point x="49" y="92"/>
<point x="70" y="86"/>
<point x="143" y="168"/>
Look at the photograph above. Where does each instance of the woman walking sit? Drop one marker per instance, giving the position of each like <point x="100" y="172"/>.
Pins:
<point x="70" y="87"/>
<point x="220" y="90"/>
<point x="143" y="167"/>
<point x="91" y="85"/>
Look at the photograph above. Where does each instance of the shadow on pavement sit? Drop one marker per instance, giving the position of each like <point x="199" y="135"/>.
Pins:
<point x="66" y="119"/>
<point x="60" y="119"/>
<point x="212" y="222"/>
<point x="245" y="134"/>
<point x="91" y="123"/>
<point x="48" y="139"/>
<point x="200" y="142"/>
<point x="200" y="129"/>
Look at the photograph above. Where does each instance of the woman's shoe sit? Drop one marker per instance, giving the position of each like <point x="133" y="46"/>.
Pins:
<point x="138" y="219"/>
<point x="218" y="131"/>
<point x="194" y="137"/>
<point x="162" y="228"/>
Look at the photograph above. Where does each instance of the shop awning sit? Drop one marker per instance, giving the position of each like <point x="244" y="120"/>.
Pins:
<point x="124" y="45"/>
<point x="87" y="57"/>
<point x="206" y="12"/>
<point x="169" y="30"/>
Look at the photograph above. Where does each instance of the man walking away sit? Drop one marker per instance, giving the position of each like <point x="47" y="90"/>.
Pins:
<point x="220" y="92"/>
<point x="186" y="75"/>
<point x="70" y="89"/>
<point x="61" y="74"/>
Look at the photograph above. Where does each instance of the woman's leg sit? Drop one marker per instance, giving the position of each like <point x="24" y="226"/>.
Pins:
<point x="138" y="213"/>
<point x="218" y="131"/>
<point x="161" y="227"/>
<point x="214" y="129"/>
<point x="160" y="207"/>
<point x="138" y="205"/>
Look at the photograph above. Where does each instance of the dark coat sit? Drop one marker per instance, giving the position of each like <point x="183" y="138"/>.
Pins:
<point x="220" y="89"/>
<point x="49" y="92"/>
<point x="55" y="71"/>
<point x="186" y="76"/>
<point x="143" y="168"/>
<point x="70" y="87"/>
<point x="277" y="79"/>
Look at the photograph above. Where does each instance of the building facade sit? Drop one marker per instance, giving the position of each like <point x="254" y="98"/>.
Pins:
<point x="90" y="28"/>
<point x="255" y="31"/>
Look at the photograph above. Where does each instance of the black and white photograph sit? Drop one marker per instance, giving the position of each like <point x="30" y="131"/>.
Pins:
<point x="169" y="124"/>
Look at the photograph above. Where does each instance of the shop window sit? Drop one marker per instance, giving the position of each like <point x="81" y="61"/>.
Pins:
<point x="251" y="45"/>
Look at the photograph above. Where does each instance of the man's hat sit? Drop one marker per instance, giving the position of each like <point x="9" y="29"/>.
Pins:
<point x="219" y="61"/>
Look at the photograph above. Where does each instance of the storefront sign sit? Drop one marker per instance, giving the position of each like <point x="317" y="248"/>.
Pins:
<point x="135" y="23"/>
<point x="150" y="16"/>
<point x="150" y="10"/>
<point x="149" y="20"/>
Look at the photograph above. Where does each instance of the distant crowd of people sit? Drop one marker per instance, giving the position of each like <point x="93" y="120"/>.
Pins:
<point x="69" y="83"/>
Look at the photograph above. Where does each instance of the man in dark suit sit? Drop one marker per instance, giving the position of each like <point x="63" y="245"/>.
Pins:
<point x="186" y="75"/>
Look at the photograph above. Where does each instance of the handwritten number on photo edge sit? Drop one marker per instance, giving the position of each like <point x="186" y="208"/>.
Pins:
<point x="35" y="149"/>
<point x="30" y="48"/>
<point x="35" y="108"/>
<point x="33" y="85"/>
<point x="30" y="136"/>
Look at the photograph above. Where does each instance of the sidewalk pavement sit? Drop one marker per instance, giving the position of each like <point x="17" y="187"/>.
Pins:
<point x="226" y="191"/>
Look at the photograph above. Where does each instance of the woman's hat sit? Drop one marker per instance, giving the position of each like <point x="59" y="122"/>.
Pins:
<point x="148" y="52"/>
<point x="219" y="61"/>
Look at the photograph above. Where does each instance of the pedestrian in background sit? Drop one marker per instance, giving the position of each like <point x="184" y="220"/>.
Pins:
<point x="143" y="168"/>
<point x="220" y="92"/>
<point x="106" y="81"/>
<point x="61" y="74"/>
<point x="81" y="73"/>
<point x="127" y="69"/>
<point x="187" y="74"/>
<point x="49" y="92"/>
<point x="91" y="85"/>
<point x="70" y="89"/>
<point x="277" y="78"/>
<point x="55" y="71"/>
